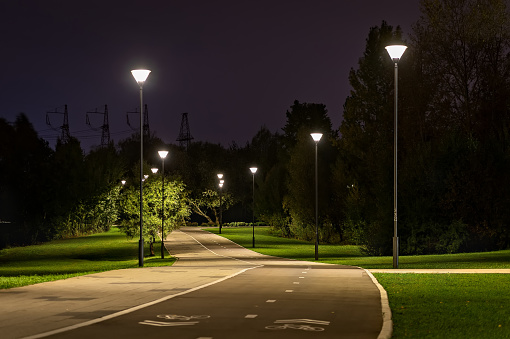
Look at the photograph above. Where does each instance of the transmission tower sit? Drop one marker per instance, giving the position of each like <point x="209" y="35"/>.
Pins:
<point x="65" y="136"/>
<point x="184" y="134"/>
<point x="146" y="129"/>
<point x="105" y="129"/>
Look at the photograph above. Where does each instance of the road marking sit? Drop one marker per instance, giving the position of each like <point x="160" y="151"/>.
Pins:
<point x="270" y="301"/>
<point x="301" y="277"/>
<point x="251" y="316"/>
<point x="303" y="321"/>
<point x="164" y="323"/>
<point x="289" y="291"/>
<point x="296" y="282"/>
<point x="304" y="272"/>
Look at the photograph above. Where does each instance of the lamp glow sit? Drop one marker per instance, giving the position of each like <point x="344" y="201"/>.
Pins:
<point x="140" y="75"/>
<point x="253" y="170"/>
<point x="316" y="136"/>
<point x="163" y="154"/>
<point x="396" y="51"/>
<point x="220" y="175"/>
<point x="154" y="170"/>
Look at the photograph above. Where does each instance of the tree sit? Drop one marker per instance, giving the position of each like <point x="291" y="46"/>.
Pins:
<point x="367" y="138"/>
<point x="176" y="208"/>
<point x="209" y="202"/>
<point x="303" y="119"/>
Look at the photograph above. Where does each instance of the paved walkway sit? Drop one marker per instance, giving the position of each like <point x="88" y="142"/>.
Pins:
<point x="28" y="312"/>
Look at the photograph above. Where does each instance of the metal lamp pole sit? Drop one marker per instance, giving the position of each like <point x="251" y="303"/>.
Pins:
<point x="162" y="155"/>
<point x="253" y="171"/>
<point x="395" y="52"/>
<point x="220" y="176"/>
<point x="140" y="76"/>
<point x="316" y="137"/>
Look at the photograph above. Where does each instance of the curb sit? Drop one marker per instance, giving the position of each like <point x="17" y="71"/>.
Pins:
<point x="387" y="327"/>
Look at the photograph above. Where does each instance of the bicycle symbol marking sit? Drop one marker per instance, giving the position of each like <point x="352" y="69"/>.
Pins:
<point x="182" y="317"/>
<point x="182" y="320"/>
<point x="298" y="324"/>
<point x="294" y="327"/>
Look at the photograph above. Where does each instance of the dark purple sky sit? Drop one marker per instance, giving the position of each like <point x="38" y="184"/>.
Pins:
<point x="232" y="65"/>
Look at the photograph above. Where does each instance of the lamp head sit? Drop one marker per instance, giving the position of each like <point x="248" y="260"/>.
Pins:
<point x="154" y="170"/>
<point x="316" y="136"/>
<point x="221" y="184"/>
<point x="253" y="170"/>
<point x="140" y="75"/>
<point x="396" y="51"/>
<point x="220" y="175"/>
<point x="162" y="154"/>
<point x="123" y="182"/>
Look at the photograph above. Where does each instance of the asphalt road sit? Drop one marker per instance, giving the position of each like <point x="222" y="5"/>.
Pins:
<point x="247" y="295"/>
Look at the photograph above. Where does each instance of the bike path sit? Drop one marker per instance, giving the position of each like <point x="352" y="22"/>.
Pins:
<point x="208" y="265"/>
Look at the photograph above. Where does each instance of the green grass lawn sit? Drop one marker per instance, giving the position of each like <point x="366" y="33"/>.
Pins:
<point x="423" y="305"/>
<point x="265" y="243"/>
<point x="60" y="259"/>
<point x="448" y="305"/>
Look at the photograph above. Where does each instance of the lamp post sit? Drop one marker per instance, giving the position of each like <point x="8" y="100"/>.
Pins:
<point x="253" y="171"/>
<point x="395" y="52"/>
<point x="316" y="137"/>
<point x="220" y="176"/>
<point x="162" y="155"/>
<point x="140" y="76"/>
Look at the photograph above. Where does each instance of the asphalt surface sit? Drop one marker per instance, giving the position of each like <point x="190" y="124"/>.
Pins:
<point x="216" y="289"/>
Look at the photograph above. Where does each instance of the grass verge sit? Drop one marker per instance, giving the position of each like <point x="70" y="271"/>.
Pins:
<point x="448" y="305"/>
<point x="266" y="243"/>
<point x="61" y="259"/>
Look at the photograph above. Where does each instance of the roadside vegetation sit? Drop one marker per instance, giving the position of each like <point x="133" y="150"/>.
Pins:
<point x="61" y="259"/>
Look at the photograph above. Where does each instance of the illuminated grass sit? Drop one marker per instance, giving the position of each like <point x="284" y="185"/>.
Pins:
<point x="449" y="305"/>
<point x="61" y="259"/>
<point x="265" y="243"/>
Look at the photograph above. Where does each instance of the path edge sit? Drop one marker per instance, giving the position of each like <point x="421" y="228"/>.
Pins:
<point x="387" y="327"/>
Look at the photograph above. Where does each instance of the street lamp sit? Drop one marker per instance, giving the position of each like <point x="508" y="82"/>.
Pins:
<point x="140" y="76"/>
<point x="220" y="176"/>
<point x="253" y="171"/>
<point x="154" y="170"/>
<point x="395" y="52"/>
<point x="316" y="137"/>
<point x="162" y="155"/>
<point x="123" y="182"/>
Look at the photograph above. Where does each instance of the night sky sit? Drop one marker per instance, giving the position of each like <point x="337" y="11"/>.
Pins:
<point x="234" y="66"/>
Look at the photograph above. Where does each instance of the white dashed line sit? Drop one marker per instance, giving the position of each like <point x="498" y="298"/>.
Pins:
<point x="270" y="301"/>
<point x="251" y="316"/>
<point x="301" y="277"/>
<point x="296" y="282"/>
<point x="289" y="291"/>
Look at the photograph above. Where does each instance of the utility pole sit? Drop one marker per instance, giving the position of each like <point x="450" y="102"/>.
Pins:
<point x="105" y="129"/>
<point x="184" y="133"/>
<point x="65" y="135"/>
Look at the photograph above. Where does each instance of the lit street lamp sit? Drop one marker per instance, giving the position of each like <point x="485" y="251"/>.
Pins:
<point x="316" y="137"/>
<point x="220" y="176"/>
<point x="395" y="52"/>
<point x="162" y="155"/>
<point x="253" y="171"/>
<point x="140" y="76"/>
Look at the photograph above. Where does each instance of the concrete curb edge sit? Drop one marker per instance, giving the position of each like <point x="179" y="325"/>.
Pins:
<point x="387" y="327"/>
